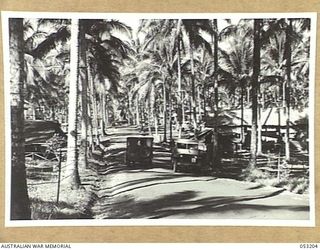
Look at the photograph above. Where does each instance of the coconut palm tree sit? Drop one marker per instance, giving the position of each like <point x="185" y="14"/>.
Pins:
<point x="163" y="39"/>
<point x="35" y="45"/>
<point x="215" y="141"/>
<point x="193" y="28"/>
<point x="20" y="207"/>
<point x="285" y="51"/>
<point x="130" y="79"/>
<point x="106" y="55"/>
<point x="62" y="34"/>
<point x="72" y="177"/>
<point x="46" y="55"/>
<point x="179" y="34"/>
<point x="83" y="77"/>
<point x="272" y="61"/>
<point x="288" y="63"/>
<point x="255" y="86"/>
<point x="149" y="80"/>
<point x="236" y="53"/>
<point x="160" y="41"/>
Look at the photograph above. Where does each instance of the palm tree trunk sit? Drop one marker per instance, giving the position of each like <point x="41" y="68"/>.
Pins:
<point x="259" y="123"/>
<point x="107" y="112"/>
<point x="183" y="113"/>
<point x="130" y="116"/>
<point x="279" y="126"/>
<point x="242" y="111"/>
<point x="170" y="113"/>
<point x="149" y="117"/>
<point x="153" y="109"/>
<point x="193" y="89"/>
<point x="99" y="111"/>
<point x="255" y="86"/>
<point x="71" y="174"/>
<point x="53" y="113"/>
<point x="204" y="102"/>
<point x="287" y="89"/>
<point x="34" y="112"/>
<point x="190" y="109"/>
<point x="84" y="86"/>
<point x="215" y="55"/>
<point x="104" y="112"/>
<point x="248" y="94"/>
<point x="90" y="128"/>
<point x="179" y="74"/>
<point x="259" y="142"/>
<point x="93" y="98"/>
<point x="179" y="57"/>
<point x="20" y="206"/>
<point x="156" y="125"/>
<point x="164" y="111"/>
<point x="137" y="111"/>
<point x="215" y="136"/>
<point x="199" y="104"/>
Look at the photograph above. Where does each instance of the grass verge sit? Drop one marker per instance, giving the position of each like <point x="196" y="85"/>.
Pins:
<point x="73" y="204"/>
<point x="295" y="184"/>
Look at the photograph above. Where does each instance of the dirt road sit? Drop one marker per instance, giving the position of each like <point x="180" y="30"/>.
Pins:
<point x="158" y="192"/>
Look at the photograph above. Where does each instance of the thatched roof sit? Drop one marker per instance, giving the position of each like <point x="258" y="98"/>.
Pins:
<point x="269" y="117"/>
<point x="39" y="131"/>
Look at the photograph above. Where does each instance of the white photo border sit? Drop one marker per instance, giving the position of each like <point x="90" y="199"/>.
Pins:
<point x="5" y="15"/>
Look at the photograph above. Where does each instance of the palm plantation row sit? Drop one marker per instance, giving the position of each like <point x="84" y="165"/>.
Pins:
<point x="169" y="73"/>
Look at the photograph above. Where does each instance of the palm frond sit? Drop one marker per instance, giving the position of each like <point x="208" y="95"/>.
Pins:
<point x="50" y="42"/>
<point x="228" y="31"/>
<point x="119" y="26"/>
<point x="118" y="46"/>
<point x="52" y="21"/>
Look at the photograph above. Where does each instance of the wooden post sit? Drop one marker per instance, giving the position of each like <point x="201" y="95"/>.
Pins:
<point x="279" y="167"/>
<point x="59" y="175"/>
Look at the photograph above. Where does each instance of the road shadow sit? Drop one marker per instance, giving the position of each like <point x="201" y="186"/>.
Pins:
<point x="187" y="204"/>
<point x="156" y="180"/>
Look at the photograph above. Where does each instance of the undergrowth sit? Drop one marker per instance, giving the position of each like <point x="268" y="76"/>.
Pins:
<point x="298" y="185"/>
<point x="73" y="204"/>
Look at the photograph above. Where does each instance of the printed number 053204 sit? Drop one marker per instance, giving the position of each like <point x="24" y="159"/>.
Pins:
<point x="309" y="245"/>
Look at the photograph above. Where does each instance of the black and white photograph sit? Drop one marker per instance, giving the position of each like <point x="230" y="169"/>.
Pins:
<point x="159" y="119"/>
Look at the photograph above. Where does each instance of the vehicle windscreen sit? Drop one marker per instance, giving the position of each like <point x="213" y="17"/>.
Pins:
<point x="187" y="146"/>
<point x="140" y="143"/>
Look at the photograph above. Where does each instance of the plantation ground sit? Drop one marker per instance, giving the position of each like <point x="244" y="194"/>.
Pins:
<point x="112" y="190"/>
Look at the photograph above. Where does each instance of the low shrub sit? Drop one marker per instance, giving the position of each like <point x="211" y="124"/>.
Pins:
<point x="42" y="210"/>
<point x="298" y="185"/>
<point x="72" y="203"/>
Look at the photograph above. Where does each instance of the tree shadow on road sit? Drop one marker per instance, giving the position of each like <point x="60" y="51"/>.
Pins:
<point x="159" y="179"/>
<point x="187" y="204"/>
